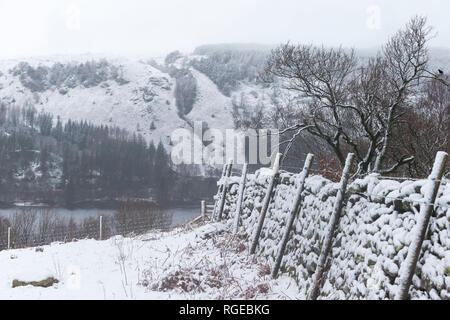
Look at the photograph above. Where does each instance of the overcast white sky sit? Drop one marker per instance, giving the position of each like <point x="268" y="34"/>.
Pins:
<point x="42" y="27"/>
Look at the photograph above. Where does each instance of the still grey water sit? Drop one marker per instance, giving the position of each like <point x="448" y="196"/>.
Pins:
<point x="180" y="215"/>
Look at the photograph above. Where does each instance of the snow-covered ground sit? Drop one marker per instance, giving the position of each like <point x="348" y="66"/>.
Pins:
<point x="205" y="262"/>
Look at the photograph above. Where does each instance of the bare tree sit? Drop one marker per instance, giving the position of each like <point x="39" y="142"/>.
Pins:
<point x="45" y="224"/>
<point x="23" y="223"/>
<point x="353" y="106"/>
<point x="426" y="128"/>
<point x="323" y="77"/>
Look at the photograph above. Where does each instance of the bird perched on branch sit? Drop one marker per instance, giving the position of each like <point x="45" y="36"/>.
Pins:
<point x="441" y="72"/>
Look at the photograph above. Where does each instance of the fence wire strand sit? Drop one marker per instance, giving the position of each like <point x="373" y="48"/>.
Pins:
<point x="36" y="234"/>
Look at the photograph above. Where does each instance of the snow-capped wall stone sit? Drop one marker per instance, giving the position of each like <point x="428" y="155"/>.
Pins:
<point x="370" y="243"/>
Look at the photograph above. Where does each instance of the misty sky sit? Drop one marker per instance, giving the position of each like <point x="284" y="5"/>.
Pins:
<point x="30" y="27"/>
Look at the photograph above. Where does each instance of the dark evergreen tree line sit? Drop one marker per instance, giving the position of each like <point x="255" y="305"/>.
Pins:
<point x="227" y="67"/>
<point x="42" y="158"/>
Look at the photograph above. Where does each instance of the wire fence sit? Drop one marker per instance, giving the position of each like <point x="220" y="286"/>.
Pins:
<point x="406" y="199"/>
<point x="429" y="193"/>
<point x="323" y="172"/>
<point x="327" y="173"/>
<point x="34" y="227"/>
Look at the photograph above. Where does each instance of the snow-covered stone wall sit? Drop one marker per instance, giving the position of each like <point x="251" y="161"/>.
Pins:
<point x="370" y="243"/>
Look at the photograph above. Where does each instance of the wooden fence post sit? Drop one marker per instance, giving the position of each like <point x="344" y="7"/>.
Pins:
<point x="224" y="190"/>
<point x="203" y="209"/>
<point x="240" y="198"/>
<point x="9" y="238"/>
<point x="293" y="214"/>
<point x="327" y="242"/>
<point x="266" y="202"/>
<point x="409" y="265"/>
<point x="219" y="191"/>
<point x="101" y="228"/>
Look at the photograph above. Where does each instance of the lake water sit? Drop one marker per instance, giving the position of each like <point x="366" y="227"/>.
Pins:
<point x="180" y="215"/>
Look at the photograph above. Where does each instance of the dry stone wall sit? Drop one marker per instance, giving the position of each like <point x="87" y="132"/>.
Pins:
<point x="370" y="243"/>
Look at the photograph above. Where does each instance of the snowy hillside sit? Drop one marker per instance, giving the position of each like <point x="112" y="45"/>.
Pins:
<point x="146" y="97"/>
<point x="143" y="101"/>
<point x="211" y="106"/>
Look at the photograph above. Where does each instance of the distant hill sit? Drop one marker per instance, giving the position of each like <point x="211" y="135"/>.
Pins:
<point x="208" y="49"/>
<point x="218" y="84"/>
